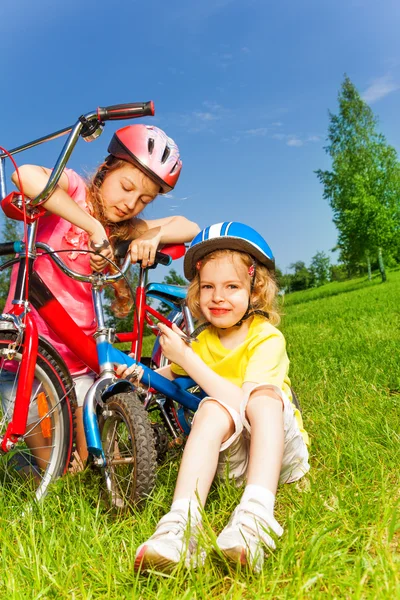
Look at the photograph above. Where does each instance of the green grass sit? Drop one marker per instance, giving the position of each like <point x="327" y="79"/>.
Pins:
<point x="341" y="522"/>
<point x="148" y="343"/>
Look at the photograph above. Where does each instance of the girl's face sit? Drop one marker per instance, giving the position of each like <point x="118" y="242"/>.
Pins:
<point x="224" y="291"/>
<point x="126" y="192"/>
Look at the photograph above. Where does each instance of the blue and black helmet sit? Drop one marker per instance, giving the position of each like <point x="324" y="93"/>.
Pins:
<point x="227" y="236"/>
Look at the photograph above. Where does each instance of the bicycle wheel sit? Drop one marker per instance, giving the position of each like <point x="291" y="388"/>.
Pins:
<point x="44" y="452"/>
<point x="129" y="446"/>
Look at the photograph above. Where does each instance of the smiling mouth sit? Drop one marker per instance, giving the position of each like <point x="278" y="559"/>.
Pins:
<point x="219" y="311"/>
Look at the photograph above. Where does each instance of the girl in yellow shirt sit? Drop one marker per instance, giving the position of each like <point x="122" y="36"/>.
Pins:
<point x="247" y="418"/>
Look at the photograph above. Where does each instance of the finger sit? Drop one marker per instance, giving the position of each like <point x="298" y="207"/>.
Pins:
<point x="164" y="330"/>
<point x="96" y="267"/>
<point x="120" y="370"/>
<point x="140" y="373"/>
<point x="145" y="255"/>
<point x="140" y="251"/>
<point x="134" y="253"/>
<point x="176" y="329"/>
<point x="152" y="255"/>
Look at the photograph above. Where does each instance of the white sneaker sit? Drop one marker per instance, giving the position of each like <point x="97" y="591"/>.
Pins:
<point x="173" y="540"/>
<point x="247" y="533"/>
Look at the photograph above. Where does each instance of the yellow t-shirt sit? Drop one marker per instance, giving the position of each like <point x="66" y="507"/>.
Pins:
<point x="260" y="358"/>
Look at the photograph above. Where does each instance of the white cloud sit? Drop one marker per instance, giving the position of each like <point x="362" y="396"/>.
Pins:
<point x="294" y="141"/>
<point x="205" y="116"/>
<point x="245" y="50"/>
<point x="259" y="132"/>
<point x="233" y="139"/>
<point x="200" y="120"/>
<point x="379" y="88"/>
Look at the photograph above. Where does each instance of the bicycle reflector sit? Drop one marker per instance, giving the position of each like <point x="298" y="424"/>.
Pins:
<point x="43" y="409"/>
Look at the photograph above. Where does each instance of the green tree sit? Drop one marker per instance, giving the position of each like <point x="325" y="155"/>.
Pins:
<point x="11" y="231"/>
<point x="363" y="187"/>
<point x="301" y="279"/>
<point x="173" y="278"/>
<point x="320" y="268"/>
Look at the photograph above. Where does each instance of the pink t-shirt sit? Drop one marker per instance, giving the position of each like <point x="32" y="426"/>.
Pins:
<point x="75" y="297"/>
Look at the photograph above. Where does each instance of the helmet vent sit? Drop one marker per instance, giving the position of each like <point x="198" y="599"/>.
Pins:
<point x="165" y="155"/>
<point x="174" y="168"/>
<point x="150" y="145"/>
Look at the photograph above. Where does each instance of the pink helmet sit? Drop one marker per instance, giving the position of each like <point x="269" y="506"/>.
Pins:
<point x="151" y="150"/>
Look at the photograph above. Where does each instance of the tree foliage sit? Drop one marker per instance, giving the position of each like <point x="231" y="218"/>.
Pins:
<point x="363" y="187"/>
<point x="320" y="268"/>
<point x="173" y="278"/>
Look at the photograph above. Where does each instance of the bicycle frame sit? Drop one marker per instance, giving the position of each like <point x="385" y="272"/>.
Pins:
<point x="97" y="351"/>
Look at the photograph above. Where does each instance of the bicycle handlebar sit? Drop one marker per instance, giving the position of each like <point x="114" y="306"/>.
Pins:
<point x="126" y="111"/>
<point x="116" y="112"/>
<point x="7" y="248"/>
<point x="122" y="248"/>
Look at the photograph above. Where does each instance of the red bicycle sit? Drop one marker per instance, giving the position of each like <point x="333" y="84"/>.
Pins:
<point x="36" y="390"/>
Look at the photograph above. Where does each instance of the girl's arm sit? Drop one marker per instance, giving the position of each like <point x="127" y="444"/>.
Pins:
<point x="150" y="234"/>
<point x="35" y="178"/>
<point x="176" y="350"/>
<point x="171" y="230"/>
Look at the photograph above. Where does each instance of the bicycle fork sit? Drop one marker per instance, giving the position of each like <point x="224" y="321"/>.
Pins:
<point x="17" y="426"/>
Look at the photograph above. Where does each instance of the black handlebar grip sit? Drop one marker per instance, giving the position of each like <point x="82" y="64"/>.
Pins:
<point x="126" y="111"/>
<point x="10" y="248"/>
<point x="122" y="248"/>
<point x="163" y="259"/>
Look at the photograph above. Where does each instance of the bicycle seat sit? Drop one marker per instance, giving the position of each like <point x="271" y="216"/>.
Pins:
<point x="170" y="294"/>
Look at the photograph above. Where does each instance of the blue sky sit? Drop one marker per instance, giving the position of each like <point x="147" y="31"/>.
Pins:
<point x="243" y="86"/>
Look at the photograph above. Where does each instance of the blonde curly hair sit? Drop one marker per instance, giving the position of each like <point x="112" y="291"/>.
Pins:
<point x="124" y="230"/>
<point x="264" y="290"/>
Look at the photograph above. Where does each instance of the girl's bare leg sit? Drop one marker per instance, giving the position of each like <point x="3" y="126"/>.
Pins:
<point x="172" y="541"/>
<point x="265" y="415"/>
<point x="252" y="525"/>
<point x="212" y="426"/>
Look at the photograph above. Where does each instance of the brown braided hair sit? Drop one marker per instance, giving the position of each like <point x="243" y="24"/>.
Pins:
<point x="124" y="230"/>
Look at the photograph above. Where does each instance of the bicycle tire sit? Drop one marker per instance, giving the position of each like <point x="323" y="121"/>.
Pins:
<point x="129" y="446"/>
<point x="44" y="453"/>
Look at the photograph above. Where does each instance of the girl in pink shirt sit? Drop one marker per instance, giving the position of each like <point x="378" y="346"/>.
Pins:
<point x="143" y="162"/>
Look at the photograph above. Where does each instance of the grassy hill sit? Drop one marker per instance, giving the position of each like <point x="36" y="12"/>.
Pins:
<point x="341" y="523"/>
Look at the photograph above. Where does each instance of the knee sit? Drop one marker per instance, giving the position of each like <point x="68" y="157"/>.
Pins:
<point x="261" y="400"/>
<point x="214" y="418"/>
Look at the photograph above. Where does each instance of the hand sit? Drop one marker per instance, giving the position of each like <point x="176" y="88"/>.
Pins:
<point x="97" y="262"/>
<point x="172" y="344"/>
<point x="144" y="248"/>
<point x="133" y="373"/>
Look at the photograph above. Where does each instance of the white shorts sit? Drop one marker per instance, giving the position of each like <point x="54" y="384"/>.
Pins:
<point x="8" y="390"/>
<point x="82" y="385"/>
<point x="234" y="452"/>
